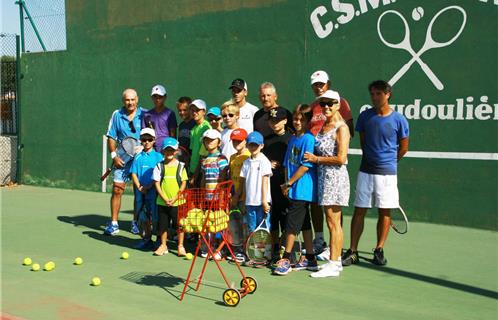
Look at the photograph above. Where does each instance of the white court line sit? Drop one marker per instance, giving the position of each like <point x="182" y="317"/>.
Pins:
<point x="444" y="155"/>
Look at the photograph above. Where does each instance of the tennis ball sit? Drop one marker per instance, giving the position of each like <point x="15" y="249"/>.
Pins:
<point x="27" y="261"/>
<point x="189" y="256"/>
<point x="188" y="229"/>
<point x="48" y="267"/>
<point x="78" y="261"/>
<point x="52" y="264"/>
<point x="35" y="267"/>
<point x="125" y="255"/>
<point x="96" y="281"/>
<point x="212" y="228"/>
<point x="182" y="222"/>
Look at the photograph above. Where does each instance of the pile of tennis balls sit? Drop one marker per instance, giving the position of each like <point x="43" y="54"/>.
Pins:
<point x="194" y="221"/>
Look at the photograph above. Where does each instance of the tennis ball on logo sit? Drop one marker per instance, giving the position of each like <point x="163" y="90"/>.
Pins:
<point x="96" y="281"/>
<point x="125" y="255"/>
<point x="78" y="261"/>
<point x="27" y="261"/>
<point x="35" y="267"/>
<point x="189" y="256"/>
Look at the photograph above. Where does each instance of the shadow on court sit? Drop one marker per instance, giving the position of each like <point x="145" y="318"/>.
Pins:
<point x="173" y="285"/>
<point x="428" y="279"/>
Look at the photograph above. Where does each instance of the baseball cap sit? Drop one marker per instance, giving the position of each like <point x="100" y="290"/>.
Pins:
<point x="170" y="142"/>
<point x="277" y="113"/>
<point x="238" y="83"/>
<point x="215" y="111"/>
<point x="148" y="131"/>
<point x="238" y="134"/>
<point x="255" y="137"/>
<point x="211" y="134"/>
<point x="319" y="76"/>
<point x="330" y="94"/>
<point x="199" y="104"/>
<point x="159" y="90"/>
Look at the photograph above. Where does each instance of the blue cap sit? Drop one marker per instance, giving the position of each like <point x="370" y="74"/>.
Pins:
<point x="215" y="111"/>
<point x="170" y="142"/>
<point x="255" y="137"/>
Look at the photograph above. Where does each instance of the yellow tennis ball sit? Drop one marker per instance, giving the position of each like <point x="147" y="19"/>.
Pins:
<point x="96" y="281"/>
<point x="52" y="264"/>
<point x="212" y="228"/>
<point x="182" y="222"/>
<point x="125" y="255"/>
<point x="78" y="261"/>
<point x="189" y="256"/>
<point x="27" y="261"/>
<point x="35" y="267"/>
<point x="188" y="229"/>
<point x="48" y="267"/>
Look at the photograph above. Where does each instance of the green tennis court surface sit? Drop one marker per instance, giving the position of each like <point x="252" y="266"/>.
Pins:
<point x="434" y="272"/>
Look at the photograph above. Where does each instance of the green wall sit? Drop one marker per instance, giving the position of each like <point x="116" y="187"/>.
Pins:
<point x="196" y="48"/>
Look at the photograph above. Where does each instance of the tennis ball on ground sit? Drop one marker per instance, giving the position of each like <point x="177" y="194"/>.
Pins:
<point x="35" y="267"/>
<point x="96" y="281"/>
<point x="78" y="261"/>
<point x="189" y="256"/>
<point x="48" y="267"/>
<point x="125" y="255"/>
<point x="27" y="261"/>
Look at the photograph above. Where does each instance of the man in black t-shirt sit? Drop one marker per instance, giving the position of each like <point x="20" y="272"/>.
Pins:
<point x="268" y="97"/>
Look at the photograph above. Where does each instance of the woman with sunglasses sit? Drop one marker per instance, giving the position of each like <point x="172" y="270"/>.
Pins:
<point x="214" y="118"/>
<point x="331" y="151"/>
<point x="230" y="113"/>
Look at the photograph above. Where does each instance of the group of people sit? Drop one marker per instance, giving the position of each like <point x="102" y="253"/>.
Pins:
<point x="289" y="168"/>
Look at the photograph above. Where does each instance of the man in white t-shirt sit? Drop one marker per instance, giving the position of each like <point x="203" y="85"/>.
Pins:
<point x="247" y="110"/>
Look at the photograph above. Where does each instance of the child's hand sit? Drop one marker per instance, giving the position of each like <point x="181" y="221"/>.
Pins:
<point x="266" y="207"/>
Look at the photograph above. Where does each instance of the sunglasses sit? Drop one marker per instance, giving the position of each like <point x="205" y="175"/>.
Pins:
<point x="214" y="119"/>
<point x="147" y="139"/>
<point x="132" y="127"/>
<point x="324" y="104"/>
<point x="228" y="115"/>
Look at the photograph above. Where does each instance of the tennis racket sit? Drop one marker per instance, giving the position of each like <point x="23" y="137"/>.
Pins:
<point x="126" y="151"/>
<point x="399" y="221"/>
<point x="234" y="234"/>
<point x="258" y="245"/>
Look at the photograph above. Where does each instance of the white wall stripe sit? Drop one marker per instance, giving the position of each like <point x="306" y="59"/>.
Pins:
<point x="443" y="155"/>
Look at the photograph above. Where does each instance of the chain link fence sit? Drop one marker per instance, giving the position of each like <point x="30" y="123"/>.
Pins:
<point x="49" y="18"/>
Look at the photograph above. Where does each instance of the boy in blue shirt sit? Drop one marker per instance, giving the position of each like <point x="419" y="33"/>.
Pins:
<point x="384" y="141"/>
<point x="145" y="192"/>
<point x="300" y="188"/>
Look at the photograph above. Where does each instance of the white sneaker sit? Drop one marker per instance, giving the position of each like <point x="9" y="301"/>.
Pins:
<point x="328" y="270"/>
<point x="325" y="255"/>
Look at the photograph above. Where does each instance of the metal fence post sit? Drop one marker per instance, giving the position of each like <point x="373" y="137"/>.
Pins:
<point x="18" y="110"/>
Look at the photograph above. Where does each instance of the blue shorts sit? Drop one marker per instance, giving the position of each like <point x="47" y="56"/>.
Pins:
<point x="254" y="216"/>
<point x="122" y="175"/>
<point x="146" y="206"/>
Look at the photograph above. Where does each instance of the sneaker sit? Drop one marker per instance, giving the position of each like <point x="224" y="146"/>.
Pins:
<point x="204" y="254"/>
<point x="350" y="257"/>
<point x="325" y="255"/>
<point x="217" y="256"/>
<point x="145" y="244"/>
<point x="379" y="258"/>
<point x="301" y="265"/>
<point x="161" y="251"/>
<point x="283" y="267"/>
<point x="111" y="229"/>
<point x="328" y="270"/>
<point x="319" y="245"/>
<point x="181" y="251"/>
<point x="312" y="265"/>
<point x="134" y="227"/>
<point x="240" y="257"/>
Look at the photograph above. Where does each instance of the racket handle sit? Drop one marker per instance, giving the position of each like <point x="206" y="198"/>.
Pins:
<point x="106" y="173"/>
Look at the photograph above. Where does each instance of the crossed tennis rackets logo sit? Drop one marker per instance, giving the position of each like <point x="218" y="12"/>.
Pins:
<point x="429" y="44"/>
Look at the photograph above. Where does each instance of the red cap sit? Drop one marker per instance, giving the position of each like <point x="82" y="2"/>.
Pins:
<point x="238" y="134"/>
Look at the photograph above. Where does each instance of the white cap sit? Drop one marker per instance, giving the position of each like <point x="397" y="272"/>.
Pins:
<point x="159" y="90"/>
<point x="148" y="131"/>
<point x="212" y="134"/>
<point x="330" y="94"/>
<point x="200" y="104"/>
<point x="319" y="76"/>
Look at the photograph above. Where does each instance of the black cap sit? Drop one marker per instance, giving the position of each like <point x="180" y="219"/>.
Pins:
<point x="277" y="113"/>
<point x="238" y="83"/>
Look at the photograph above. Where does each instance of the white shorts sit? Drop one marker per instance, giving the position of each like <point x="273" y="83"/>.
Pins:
<point x="374" y="190"/>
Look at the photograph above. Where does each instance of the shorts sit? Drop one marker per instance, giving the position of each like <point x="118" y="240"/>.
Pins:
<point x="146" y="205"/>
<point x="254" y="216"/>
<point x="122" y="175"/>
<point x="298" y="217"/>
<point x="375" y="190"/>
<point x="278" y="215"/>
<point x="167" y="217"/>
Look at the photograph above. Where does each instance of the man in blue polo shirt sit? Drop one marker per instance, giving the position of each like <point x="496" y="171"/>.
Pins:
<point x="384" y="141"/>
<point x="125" y="122"/>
